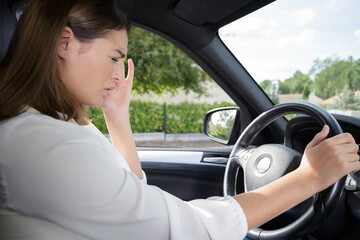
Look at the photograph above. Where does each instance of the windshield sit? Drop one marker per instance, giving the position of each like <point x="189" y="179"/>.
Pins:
<point x="302" y="50"/>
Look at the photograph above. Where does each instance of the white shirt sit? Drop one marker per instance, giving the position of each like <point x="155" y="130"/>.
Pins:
<point x="72" y="176"/>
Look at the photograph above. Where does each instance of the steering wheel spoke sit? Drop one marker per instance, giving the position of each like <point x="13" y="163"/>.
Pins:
<point x="244" y="155"/>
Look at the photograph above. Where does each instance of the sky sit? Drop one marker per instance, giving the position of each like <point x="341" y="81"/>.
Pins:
<point x="288" y="35"/>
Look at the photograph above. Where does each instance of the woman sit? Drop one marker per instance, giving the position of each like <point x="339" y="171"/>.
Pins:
<point x="57" y="166"/>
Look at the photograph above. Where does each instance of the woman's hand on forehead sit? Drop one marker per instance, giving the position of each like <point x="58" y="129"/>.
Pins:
<point x="119" y="100"/>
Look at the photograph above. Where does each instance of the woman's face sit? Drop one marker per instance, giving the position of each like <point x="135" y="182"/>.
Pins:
<point x="89" y="70"/>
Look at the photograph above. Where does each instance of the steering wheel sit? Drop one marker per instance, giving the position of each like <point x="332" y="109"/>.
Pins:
<point x="264" y="164"/>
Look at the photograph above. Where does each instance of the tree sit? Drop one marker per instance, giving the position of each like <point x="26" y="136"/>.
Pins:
<point x="296" y="83"/>
<point x="353" y="74"/>
<point x="334" y="74"/>
<point x="265" y="85"/>
<point x="221" y="124"/>
<point x="284" y="87"/>
<point x="347" y="100"/>
<point x="161" y="67"/>
<point x="306" y="92"/>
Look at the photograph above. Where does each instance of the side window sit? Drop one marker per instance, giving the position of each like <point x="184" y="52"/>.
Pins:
<point x="170" y="97"/>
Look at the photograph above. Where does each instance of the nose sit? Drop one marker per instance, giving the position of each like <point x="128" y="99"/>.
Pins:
<point x="118" y="72"/>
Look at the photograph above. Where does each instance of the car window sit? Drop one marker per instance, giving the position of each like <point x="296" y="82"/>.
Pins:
<point x="171" y="95"/>
<point x="302" y="50"/>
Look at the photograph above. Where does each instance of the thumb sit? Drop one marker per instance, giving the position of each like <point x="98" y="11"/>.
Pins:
<point x="130" y="74"/>
<point x="319" y="137"/>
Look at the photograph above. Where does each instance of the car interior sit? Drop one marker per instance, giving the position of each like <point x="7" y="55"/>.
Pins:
<point x="192" y="173"/>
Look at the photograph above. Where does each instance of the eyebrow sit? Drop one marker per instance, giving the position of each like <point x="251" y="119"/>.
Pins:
<point x="122" y="55"/>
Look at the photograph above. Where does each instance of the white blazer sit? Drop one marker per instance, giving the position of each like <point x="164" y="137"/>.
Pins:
<point x="69" y="175"/>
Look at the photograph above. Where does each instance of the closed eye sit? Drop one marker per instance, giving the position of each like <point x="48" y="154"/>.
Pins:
<point x="114" y="59"/>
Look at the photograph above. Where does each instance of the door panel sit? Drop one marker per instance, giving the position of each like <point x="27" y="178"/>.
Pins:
<point x="186" y="174"/>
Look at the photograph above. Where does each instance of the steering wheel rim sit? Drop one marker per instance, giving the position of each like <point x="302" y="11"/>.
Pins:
<point x="323" y="203"/>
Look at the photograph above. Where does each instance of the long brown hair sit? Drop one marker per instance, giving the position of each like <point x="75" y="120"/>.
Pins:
<point x="28" y="73"/>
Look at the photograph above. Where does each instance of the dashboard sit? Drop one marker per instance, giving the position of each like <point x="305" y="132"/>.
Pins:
<point x="301" y="129"/>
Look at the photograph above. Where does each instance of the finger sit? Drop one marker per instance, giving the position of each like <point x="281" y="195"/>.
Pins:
<point x="354" y="166"/>
<point x="348" y="163"/>
<point x="354" y="158"/>
<point x="350" y="148"/>
<point x="130" y="74"/>
<point x="319" y="137"/>
<point x="341" y="139"/>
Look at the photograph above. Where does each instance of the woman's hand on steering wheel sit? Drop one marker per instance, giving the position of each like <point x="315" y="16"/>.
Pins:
<point x="277" y="178"/>
<point x="326" y="160"/>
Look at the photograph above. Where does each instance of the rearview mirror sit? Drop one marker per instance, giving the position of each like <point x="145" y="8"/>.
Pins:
<point x="222" y="125"/>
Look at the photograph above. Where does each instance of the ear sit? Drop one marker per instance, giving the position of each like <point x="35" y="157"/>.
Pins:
<point x="66" y="38"/>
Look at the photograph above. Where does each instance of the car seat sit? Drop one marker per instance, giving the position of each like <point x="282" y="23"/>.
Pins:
<point x="14" y="226"/>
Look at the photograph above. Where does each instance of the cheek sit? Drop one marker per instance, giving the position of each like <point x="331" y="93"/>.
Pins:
<point x="103" y="69"/>
<point x="96" y="72"/>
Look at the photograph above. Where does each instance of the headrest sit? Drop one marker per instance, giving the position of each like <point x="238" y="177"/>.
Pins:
<point x="10" y="12"/>
<point x="7" y="27"/>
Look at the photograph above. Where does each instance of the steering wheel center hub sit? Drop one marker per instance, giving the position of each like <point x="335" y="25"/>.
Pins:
<point x="268" y="163"/>
<point x="263" y="164"/>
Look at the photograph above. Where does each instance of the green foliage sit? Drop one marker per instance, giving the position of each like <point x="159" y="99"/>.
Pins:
<point x="290" y="116"/>
<point x="188" y="117"/>
<point x="334" y="74"/>
<point x="276" y="99"/>
<point x="184" y="117"/>
<point x="327" y="77"/>
<point x="221" y="124"/>
<point x="97" y="118"/>
<point x="295" y="84"/>
<point x="306" y="92"/>
<point x="146" y="116"/>
<point x="161" y="67"/>
<point x="265" y="85"/>
<point x="353" y="75"/>
<point x="347" y="100"/>
<point x="284" y="87"/>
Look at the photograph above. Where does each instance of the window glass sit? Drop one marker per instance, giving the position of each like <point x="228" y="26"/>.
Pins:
<point x="302" y="50"/>
<point x="171" y="95"/>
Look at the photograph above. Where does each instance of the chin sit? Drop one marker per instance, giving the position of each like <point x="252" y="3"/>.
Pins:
<point x="94" y="104"/>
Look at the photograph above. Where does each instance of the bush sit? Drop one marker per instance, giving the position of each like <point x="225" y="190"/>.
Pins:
<point x="146" y="116"/>
<point x="97" y="118"/>
<point x="183" y="117"/>
<point x="347" y="100"/>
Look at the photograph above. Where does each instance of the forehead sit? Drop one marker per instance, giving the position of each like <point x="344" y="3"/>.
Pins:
<point x="118" y="40"/>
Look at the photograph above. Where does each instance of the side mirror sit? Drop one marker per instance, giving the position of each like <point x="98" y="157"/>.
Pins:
<point x="223" y="125"/>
